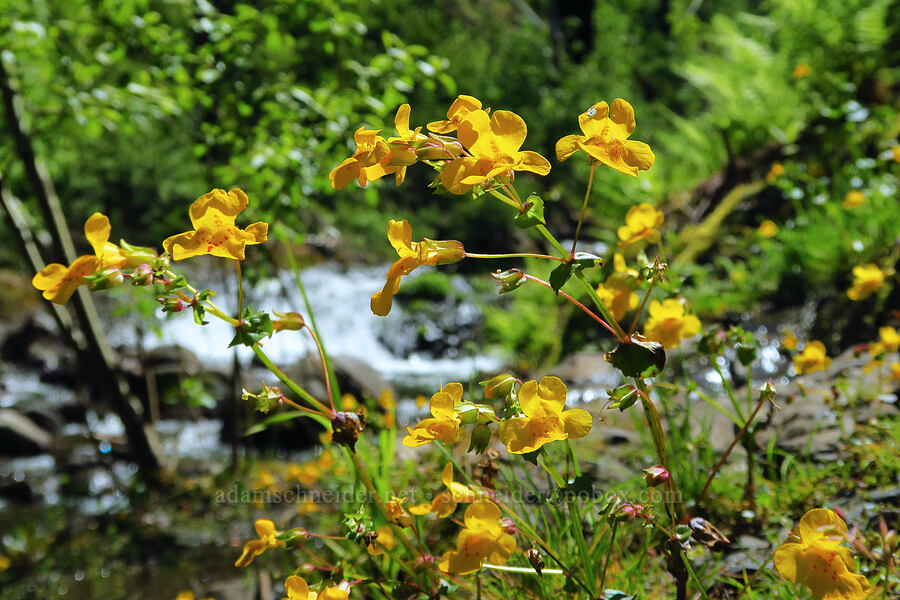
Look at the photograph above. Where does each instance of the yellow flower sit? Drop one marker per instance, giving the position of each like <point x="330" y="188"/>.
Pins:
<point x="617" y="296"/>
<point x="297" y="589"/>
<point x="544" y="419"/>
<point x="482" y="538"/>
<point x="640" y="223"/>
<point x="895" y="153"/>
<point x="267" y="533"/>
<point x="397" y="513"/>
<point x="412" y="255"/>
<point x="668" y="324"/>
<point x="605" y="138"/>
<point x="444" y="422"/>
<point x="308" y="473"/>
<point x="349" y="402"/>
<point x="812" y="359"/>
<point x="384" y="540"/>
<point x="325" y="460"/>
<point x="619" y="266"/>
<point x="789" y="341"/>
<point x="818" y="561"/>
<point x="335" y="593"/>
<point x="461" y="107"/>
<point x="5" y="562"/>
<point x="58" y="282"/>
<point x="264" y="480"/>
<point x="403" y="147"/>
<point x="776" y="171"/>
<point x="853" y="199"/>
<point x="890" y="339"/>
<point x="802" y="70"/>
<point x="366" y="163"/>
<point x="493" y="141"/>
<point x="767" y="229"/>
<point x="867" y="279"/>
<point x="445" y="503"/>
<point x="308" y="506"/>
<point x="215" y="233"/>
<point x="895" y="370"/>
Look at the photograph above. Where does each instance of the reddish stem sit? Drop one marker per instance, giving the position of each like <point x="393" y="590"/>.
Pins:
<point x="573" y="301"/>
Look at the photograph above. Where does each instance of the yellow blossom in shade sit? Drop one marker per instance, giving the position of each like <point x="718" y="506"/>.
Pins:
<point x="482" y="538"/>
<point x="397" y="513"/>
<point x="890" y="338"/>
<point x="802" y="70"/>
<point x="817" y="560"/>
<point x="493" y="141"/>
<point x="5" y="563"/>
<point x="895" y="153"/>
<point x="366" y="164"/>
<point x="267" y="533"/>
<point x="789" y="341"/>
<point x="421" y="401"/>
<point x="412" y="254"/>
<point x="461" y="107"/>
<point x="325" y="460"/>
<point x="895" y="370"/>
<point x="349" y="402"/>
<point x="58" y="282"/>
<point x="812" y="359"/>
<point x="263" y="481"/>
<point x="445" y="503"/>
<point x="767" y="229"/>
<point x="775" y="171"/>
<point x="215" y="233"/>
<point x="606" y="130"/>
<point x="443" y="425"/>
<point x="620" y="266"/>
<point x="308" y="473"/>
<point x="384" y="540"/>
<point x="853" y="199"/>
<point x="544" y="419"/>
<point x="641" y="222"/>
<point x="867" y="279"/>
<point x="668" y="324"/>
<point x="618" y="296"/>
<point x="297" y="589"/>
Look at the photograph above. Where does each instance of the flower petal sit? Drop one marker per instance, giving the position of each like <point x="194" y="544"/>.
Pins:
<point x="96" y="230"/>
<point x="567" y="146"/>
<point x="533" y="163"/>
<point x="577" y="422"/>
<point x="639" y="154"/>
<point x="622" y="114"/>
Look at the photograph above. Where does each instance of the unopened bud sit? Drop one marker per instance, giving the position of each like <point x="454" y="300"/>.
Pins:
<point x="655" y="475"/>
<point x="508" y="525"/>
<point x="444" y="252"/>
<point x="291" y="321"/>
<point x="402" y="155"/>
<point x="498" y="385"/>
<point x="346" y="428"/>
<point x="629" y="512"/>
<point x="137" y="255"/>
<point x="508" y="280"/>
<point x="105" y="279"/>
<point x="142" y="275"/>
<point x="440" y="148"/>
<point x="171" y="304"/>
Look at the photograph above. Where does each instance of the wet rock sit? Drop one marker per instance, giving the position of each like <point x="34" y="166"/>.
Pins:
<point x="20" y="436"/>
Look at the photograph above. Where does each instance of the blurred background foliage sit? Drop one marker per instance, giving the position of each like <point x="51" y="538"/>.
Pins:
<point x="139" y="106"/>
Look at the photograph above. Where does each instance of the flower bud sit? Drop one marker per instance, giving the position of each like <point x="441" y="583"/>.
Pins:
<point x="655" y="475"/>
<point x="508" y="525"/>
<point x="498" y="385"/>
<point x="171" y="304"/>
<point x="142" y="275"/>
<point x="288" y="321"/>
<point x="105" y="279"/>
<point x="508" y="280"/>
<point x="443" y="252"/>
<point x="346" y="428"/>
<point x="402" y="155"/>
<point x="137" y="255"/>
<point x="629" y="512"/>
<point x="439" y="147"/>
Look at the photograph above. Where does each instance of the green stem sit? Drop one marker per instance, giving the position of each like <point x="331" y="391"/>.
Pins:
<point x="612" y="543"/>
<point x="573" y="301"/>
<point x="553" y="241"/>
<point x="528" y="570"/>
<point x="587" y="195"/>
<point x="551" y="470"/>
<point x="588" y="564"/>
<point x="514" y="255"/>
<point x="240" y="280"/>
<point x="729" y="391"/>
<point x="604" y="312"/>
<point x="673" y="505"/>
<point x="325" y="371"/>
<point x="292" y="385"/>
<point x="505" y="199"/>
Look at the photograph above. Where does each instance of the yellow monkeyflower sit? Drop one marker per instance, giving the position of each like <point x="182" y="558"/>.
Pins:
<point x="58" y="282"/>
<point x="802" y="70"/>
<point x="384" y="540"/>
<point x="816" y="558"/>
<point x="641" y="222"/>
<point x="895" y="370"/>
<point x="812" y="359"/>
<point x="775" y="171"/>
<point x="444" y="422"/>
<point x="867" y="279"/>
<point x="403" y="147"/>
<point x="895" y="153"/>
<point x="853" y="199"/>
<point x="445" y="503"/>
<point x="215" y="233"/>
<point x="366" y="164"/>
<point x="482" y="538"/>
<point x="617" y="295"/>
<point x="461" y="107"/>
<point x="308" y="473"/>
<point x="890" y="339"/>
<point x="297" y="589"/>
<point x="493" y="142"/>
<point x="620" y="266"/>
<point x="789" y="341"/>
<point x="544" y="419"/>
<point x="5" y="562"/>
<point x="263" y="481"/>
<point x="668" y="324"/>
<point x="189" y="595"/>
<point x="606" y="130"/>
<point x="341" y="592"/>
<point x="267" y="533"/>
<point x="412" y="254"/>
<point x="767" y="229"/>
<point x="397" y="513"/>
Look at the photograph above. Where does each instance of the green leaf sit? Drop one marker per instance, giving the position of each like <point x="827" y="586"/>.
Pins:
<point x="480" y="439"/>
<point x="279" y="418"/>
<point x="623" y="397"/>
<point x="253" y="327"/>
<point x="199" y="313"/>
<point x="533" y="213"/>
<point x="638" y="357"/>
<point x="560" y="275"/>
